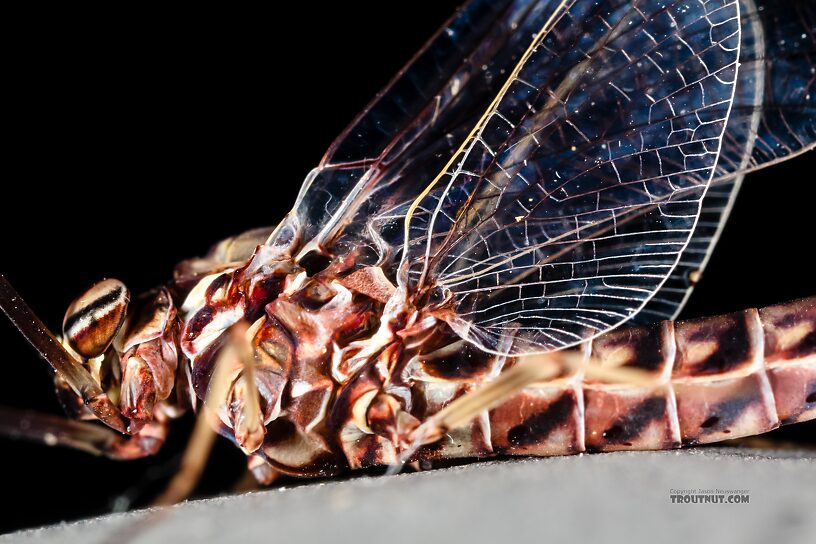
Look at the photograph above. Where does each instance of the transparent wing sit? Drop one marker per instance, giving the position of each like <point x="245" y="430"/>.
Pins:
<point x="773" y="117"/>
<point x="387" y="155"/>
<point x="405" y="135"/>
<point x="571" y="201"/>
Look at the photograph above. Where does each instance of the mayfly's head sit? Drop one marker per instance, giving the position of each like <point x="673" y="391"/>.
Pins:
<point x="130" y="350"/>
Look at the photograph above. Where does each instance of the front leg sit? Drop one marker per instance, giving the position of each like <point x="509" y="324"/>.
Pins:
<point x="117" y="370"/>
<point x="65" y="365"/>
<point x="92" y="438"/>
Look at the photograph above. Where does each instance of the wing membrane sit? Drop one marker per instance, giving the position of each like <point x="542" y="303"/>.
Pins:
<point x="406" y="134"/>
<point x="773" y="118"/>
<point x="569" y="206"/>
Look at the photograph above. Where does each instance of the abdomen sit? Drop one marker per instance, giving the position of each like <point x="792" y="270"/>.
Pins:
<point x="717" y="378"/>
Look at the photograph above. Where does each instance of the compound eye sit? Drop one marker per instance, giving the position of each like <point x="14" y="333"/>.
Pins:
<point x="94" y="318"/>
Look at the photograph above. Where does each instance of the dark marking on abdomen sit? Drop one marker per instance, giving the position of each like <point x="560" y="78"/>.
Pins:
<point x="539" y="426"/>
<point x="631" y="424"/>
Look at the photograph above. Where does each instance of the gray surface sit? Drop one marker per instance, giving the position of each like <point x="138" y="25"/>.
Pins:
<point x="622" y="497"/>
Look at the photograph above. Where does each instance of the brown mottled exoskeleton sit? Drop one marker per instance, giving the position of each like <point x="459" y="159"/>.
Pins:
<point x="487" y="261"/>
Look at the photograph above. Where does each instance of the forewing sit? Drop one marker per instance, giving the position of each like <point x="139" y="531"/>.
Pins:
<point x="368" y="156"/>
<point x="405" y="135"/>
<point x="572" y="199"/>
<point x="773" y="117"/>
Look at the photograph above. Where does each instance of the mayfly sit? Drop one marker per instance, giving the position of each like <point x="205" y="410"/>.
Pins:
<point x="487" y="261"/>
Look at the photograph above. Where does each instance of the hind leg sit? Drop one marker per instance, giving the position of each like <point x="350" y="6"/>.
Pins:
<point x="527" y="371"/>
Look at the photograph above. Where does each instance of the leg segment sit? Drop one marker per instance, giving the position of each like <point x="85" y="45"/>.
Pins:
<point x="238" y="396"/>
<point x="88" y="437"/>
<point x="192" y="463"/>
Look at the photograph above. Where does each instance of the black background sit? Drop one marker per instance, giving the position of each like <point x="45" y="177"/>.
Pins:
<point x="138" y="139"/>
